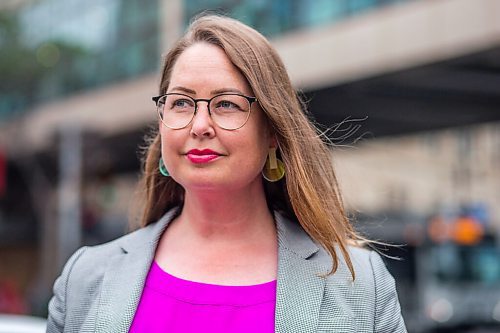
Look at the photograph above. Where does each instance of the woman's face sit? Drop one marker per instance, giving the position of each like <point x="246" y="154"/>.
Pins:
<point x="203" y="155"/>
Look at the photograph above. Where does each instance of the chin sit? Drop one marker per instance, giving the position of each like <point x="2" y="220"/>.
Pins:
<point x="202" y="182"/>
<point x="224" y="183"/>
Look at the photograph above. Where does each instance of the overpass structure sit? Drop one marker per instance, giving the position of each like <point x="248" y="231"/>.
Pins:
<point x="412" y="67"/>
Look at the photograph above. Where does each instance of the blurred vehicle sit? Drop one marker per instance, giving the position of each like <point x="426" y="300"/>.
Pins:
<point x="448" y="279"/>
<point x="22" y="324"/>
<point x="460" y="284"/>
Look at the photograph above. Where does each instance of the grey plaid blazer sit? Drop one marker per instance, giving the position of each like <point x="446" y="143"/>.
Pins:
<point x="100" y="286"/>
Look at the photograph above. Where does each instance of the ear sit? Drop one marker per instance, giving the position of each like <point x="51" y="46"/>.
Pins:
<point x="273" y="141"/>
<point x="271" y="134"/>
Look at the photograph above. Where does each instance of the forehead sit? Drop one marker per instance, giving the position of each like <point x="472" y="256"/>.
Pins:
<point x="204" y="64"/>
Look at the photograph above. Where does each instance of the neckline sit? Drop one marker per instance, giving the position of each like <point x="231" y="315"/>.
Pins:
<point x="206" y="293"/>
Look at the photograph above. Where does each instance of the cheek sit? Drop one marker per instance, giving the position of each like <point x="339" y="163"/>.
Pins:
<point x="164" y="140"/>
<point x="250" y="160"/>
<point x="263" y="153"/>
<point x="255" y="158"/>
<point x="168" y="146"/>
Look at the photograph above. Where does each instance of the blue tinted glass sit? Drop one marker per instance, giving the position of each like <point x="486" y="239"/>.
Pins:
<point x="279" y="16"/>
<point x="91" y="43"/>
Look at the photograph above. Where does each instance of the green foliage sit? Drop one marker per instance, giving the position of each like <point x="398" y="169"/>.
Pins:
<point x="30" y="74"/>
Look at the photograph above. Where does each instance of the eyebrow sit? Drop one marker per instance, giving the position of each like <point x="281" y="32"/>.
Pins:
<point x="226" y="90"/>
<point x="186" y="90"/>
<point x="213" y="92"/>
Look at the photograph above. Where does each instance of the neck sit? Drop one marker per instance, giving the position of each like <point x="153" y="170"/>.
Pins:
<point x="228" y="215"/>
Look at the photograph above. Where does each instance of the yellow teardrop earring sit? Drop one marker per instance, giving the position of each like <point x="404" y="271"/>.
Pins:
<point x="274" y="169"/>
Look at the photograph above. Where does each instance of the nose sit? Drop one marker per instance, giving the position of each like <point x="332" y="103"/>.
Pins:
<point x="202" y="125"/>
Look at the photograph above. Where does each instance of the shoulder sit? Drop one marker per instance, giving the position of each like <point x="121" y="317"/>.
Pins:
<point x="371" y="274"/>
<point x="86" y="267"/>
<point x="77" y="289"/>
<point x="367" y="266"/>
<point x="370" y="298"/>
<point x="90" y="261"/>
<point x="374" y="279"/>
<point x="366" y="262"/>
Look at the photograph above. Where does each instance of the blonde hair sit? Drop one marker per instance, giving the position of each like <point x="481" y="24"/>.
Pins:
<point x="309" y="193"/>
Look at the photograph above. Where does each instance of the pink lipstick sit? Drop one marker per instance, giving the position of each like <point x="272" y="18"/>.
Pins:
<point x="202" y="156"/>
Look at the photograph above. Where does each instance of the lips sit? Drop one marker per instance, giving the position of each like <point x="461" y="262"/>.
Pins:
<point x="198" y="156"/>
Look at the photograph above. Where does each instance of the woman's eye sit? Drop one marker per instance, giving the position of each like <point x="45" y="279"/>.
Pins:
<point x="227" y="105"/>
<point x="181" y="103"/>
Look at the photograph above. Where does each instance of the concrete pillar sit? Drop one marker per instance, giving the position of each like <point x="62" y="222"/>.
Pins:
<point x="171" y="23"/>
<point x="69" y="233"/>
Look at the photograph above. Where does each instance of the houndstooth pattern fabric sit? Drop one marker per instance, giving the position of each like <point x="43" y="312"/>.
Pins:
<point x="100" y="287"/>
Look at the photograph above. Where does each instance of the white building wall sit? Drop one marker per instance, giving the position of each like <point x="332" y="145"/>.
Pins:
<point x="423" y="173"/>
<point x="389" y="39"/>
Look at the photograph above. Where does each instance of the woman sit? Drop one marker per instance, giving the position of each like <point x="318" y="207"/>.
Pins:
<point x="243" y="226"/>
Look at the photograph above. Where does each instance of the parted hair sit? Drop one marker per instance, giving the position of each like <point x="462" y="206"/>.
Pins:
<point x="309" y="193"/>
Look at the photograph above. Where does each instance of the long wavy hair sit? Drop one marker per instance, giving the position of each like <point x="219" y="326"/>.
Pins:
<point x="309" y="193"/>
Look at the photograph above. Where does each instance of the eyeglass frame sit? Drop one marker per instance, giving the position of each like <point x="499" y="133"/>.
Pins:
<point x="250" y="100"/>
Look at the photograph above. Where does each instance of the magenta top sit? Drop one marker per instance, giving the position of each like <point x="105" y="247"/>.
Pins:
<point x="170" y="304"/>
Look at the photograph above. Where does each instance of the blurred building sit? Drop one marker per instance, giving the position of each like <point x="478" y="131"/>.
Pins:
<point x="408" y="89"/>
<point x="425" y="173"/>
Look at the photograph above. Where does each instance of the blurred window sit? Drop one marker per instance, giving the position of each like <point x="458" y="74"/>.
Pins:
<point x="280" y="16"/>
<point x="463" y="264"/>
<point x="58" y="47"/>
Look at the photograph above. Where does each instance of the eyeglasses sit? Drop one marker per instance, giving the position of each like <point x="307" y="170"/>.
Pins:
<point x="228" y="111"/>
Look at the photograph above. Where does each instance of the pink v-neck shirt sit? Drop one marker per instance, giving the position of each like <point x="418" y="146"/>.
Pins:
<point x="169" y="304"/>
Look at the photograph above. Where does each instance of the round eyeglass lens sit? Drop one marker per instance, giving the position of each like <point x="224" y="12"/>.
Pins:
<point x="176" y="111"/>
<point x="230" y="111"/>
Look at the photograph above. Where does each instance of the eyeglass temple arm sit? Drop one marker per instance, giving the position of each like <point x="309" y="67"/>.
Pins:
<point x="156" y="98"/>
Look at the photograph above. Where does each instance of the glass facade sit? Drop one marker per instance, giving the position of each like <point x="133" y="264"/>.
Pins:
<point x="53" y="48"/>
<point x="58" y="47"/>
<point x="280" y="16"/>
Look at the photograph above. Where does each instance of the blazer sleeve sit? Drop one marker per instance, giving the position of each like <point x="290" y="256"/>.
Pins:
<point x="388" y="316"/>
<point x="57" y="305"/>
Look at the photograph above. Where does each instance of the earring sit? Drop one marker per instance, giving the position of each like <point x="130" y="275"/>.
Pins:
<point x="274" y="169"/>
<point x="163" y="168"/>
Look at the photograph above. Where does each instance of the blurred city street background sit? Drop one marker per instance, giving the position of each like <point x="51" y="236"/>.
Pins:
<point x="408" y="90"/>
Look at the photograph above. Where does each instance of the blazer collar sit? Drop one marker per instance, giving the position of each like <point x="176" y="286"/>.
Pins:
<point x="149" y="236"/>
<point x="125" y="276"/>
<point x="300" y="285"/>
<point x="300" y="282"/>
<point x="292" y="237"/>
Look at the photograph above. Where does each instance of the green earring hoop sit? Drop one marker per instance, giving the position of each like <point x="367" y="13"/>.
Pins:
<point x="163" y="168"/>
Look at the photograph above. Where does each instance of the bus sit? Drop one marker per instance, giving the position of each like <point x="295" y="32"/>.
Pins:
<point x="445" y="283"/>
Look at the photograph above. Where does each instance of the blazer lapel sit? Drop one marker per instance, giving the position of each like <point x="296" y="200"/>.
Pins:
<point x="300" y="286"/>
<point x="125" y="275"/>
